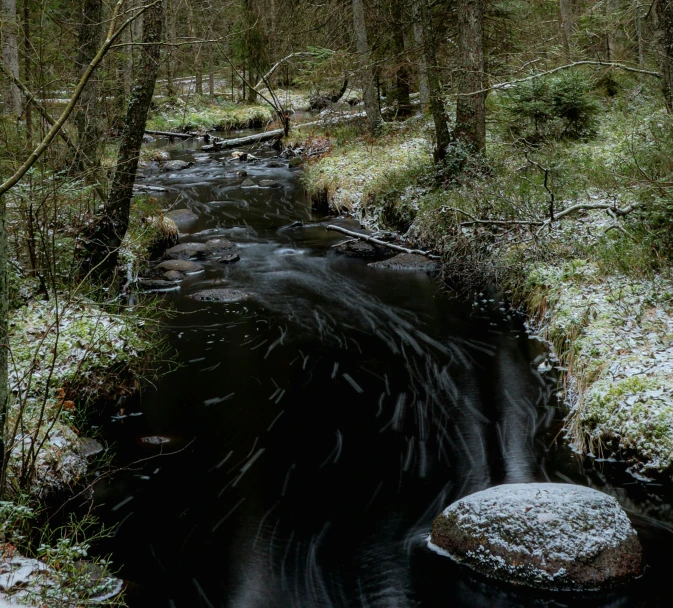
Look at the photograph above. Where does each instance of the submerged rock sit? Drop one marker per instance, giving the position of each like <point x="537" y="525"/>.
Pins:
<point x="183" y="218"/>
<point x="407" y="261"/>
<point x="220" y="295"/>
<point x="247" y="183"/>
<point x="544" y="535"/>
<point x="219" y="245"/>
<point x="179" y="266"/>
<point x="270" y="183"/>
<point x="229" y="259"/>
<point x="186" y="251"/>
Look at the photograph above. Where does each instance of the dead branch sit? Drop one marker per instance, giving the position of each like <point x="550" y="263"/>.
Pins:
<point x="268" y="75"/>
<point x="606" y="64"/>
<point x="474" y="220"/>
<point x="374" y="241"/>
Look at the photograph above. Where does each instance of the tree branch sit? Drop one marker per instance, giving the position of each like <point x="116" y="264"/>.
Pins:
<point x="58" y="125"/>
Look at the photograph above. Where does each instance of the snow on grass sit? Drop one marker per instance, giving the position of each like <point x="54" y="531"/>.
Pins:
<point x="353" y="175"/>
<point x="201" y="114"/>
<point x="616" y="334"/>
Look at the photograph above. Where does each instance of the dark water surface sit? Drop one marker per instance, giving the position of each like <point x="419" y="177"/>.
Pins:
<point x="317" y="429"/>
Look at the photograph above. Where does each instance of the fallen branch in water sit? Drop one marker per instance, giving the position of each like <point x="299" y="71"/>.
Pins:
<point x="374" y="241"/>
<point x="223" y="144"/>
<point x="171" y="134"/>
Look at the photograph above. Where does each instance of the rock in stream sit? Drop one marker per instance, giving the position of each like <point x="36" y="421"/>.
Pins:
<point x="558" y="537"/>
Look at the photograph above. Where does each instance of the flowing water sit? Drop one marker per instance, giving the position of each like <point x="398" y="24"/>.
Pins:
<point x="314" y="431"/>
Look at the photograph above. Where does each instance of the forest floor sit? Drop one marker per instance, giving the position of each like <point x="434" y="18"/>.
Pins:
<point x="595" y="284"/>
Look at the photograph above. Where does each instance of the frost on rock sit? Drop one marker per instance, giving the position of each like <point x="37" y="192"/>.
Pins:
<point x="617" y="336"/>
<point x="545" y="535"/>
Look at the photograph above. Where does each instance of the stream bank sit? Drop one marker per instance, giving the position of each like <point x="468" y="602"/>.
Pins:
<point x="583" y="281"/>
<point x="317" y="426"/>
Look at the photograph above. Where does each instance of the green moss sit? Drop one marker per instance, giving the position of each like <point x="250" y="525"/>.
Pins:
<point x="202" y="114"/>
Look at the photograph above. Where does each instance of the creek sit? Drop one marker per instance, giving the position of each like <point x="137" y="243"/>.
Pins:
<point x="313" y="431"/>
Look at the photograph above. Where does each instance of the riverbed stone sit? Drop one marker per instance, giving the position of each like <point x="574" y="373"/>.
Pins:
<point x="407" y="261"/>
<point x="179" y="266"/>
<point x="219" y="246"/>
<point x="544" y="535"/>
<point x="358" y="249"/>
<point x="183" y="218"/>
<point x="223" y="296"/>
<point x="247" y="183"/>
<point x="176" y="165"/>
<point x="270" y="183"/>
<point x="186" y="251"/>
<point x="172" y="275"/>
<point x="229" y="259"/>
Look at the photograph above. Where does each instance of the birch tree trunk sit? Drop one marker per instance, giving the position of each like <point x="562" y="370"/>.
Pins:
<point x="10" y="57"/>
<point x="366" y="72"/>
<point x="86" y="114"/>
<point x="470" y="107"/>
<point x="422" y="65"/>
<point x="113" y="223"/>
<point x="442" y="135"/>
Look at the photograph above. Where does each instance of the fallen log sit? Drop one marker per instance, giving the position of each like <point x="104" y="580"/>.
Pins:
<point x="380" y="243"/>
<point x="223" y="144"/>
<point x="171" y="134"/>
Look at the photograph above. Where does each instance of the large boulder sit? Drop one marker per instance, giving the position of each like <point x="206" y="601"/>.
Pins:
<point x="544" y="535"/>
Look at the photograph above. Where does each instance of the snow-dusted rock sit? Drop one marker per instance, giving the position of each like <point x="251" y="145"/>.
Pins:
<point x="545" y="535"/>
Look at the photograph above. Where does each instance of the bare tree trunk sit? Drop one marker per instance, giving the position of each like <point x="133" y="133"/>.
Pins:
<point x="664" y="14"/>
<point x="564" y="25"/>
<point x="10" y="57"/>
<point x="170" y="38"/>
<point x="400" y="88"/>
<point x="4" y="340"/>
<point x="641" y="40"/>
<point x="27" y="67"/>
<point x="442" y="134"/>
<point x="211" y="72"/>
<point x="87" y="116"/>
<point x="113" y="223"/>
<point x="366" y="72"/>
<point x="471" y="108"/>
<point x="422" y="65"/>
<point x="196" y="56"/>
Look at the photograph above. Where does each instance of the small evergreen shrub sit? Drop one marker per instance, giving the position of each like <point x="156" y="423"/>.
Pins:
<point x="559" y="107"/>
